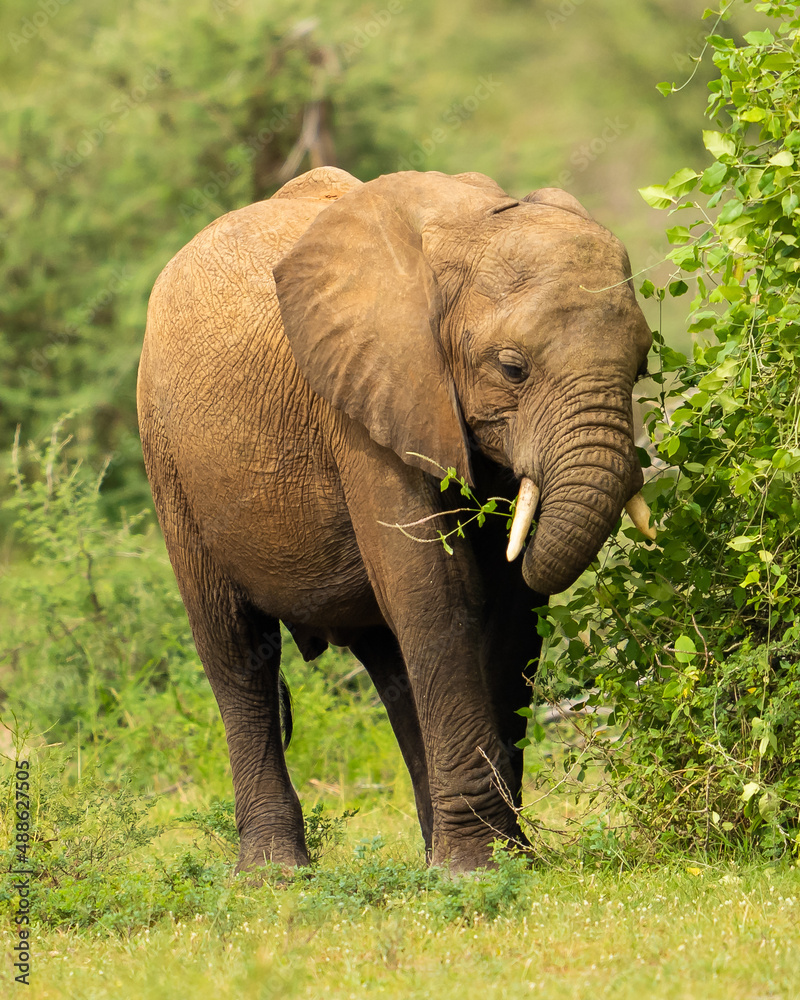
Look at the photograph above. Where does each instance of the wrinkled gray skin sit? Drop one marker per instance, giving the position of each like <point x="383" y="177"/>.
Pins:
<point x="418" y="313"/>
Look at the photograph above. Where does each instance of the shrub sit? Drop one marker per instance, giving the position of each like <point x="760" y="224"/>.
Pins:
<point x="695" y="642"/>
<point x="95" y="638"/>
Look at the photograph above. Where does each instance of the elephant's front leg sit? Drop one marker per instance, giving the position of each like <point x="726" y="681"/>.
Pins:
<point x="433" y="604"/>
<point x="470" y="772"/>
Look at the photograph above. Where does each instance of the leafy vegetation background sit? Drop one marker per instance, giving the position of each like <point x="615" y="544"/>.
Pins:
<point x="125" y="130"/>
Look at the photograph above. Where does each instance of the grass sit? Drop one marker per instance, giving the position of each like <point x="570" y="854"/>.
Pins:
<point x="133" y="902"/>
<point x="680" y="931"/>
<point x="168" y="917"/>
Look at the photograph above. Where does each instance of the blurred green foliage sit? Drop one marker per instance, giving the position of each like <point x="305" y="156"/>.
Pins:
<point x="127" y="128"/>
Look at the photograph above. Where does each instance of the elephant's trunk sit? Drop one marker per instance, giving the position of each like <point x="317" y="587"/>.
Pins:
<point x="584" y="492"/>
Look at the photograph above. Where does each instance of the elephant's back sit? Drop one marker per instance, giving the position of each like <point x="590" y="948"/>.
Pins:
<point x="245" y="433"/>
<point x="247" y="242"/>
<point x="227" y="267"/>
<point x="213" y="318"/>
<point x="213" y="321"/>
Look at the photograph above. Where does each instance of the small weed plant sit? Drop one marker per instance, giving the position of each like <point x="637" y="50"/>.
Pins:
<point x="322" y="830"/>
<point x="95" y="611"/>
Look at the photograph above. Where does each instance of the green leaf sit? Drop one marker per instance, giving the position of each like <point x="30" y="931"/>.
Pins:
<point x="665" y="88"/>
<point x="738" y="228"/>
<point x="730" y="211"/>
<point x="753" y="115"/>
<point x="656" y="196"/>
<point x="790" y="202"/>
<point x="749" y="790"/>
<point x="768" y="806"/>
<point x="687" y="258"/>
<point x="647" y="288"/>
<point x="678" y="234"/>
<point x="759" y="37"/>
<point x="713" y="177"/>
<point x="677" y="288"/>
<point x="681" y="182"/>
<point x="721" y="42"/>
<point x="788" y="459"/>
<point x="685" y="649"/>
<point x="719" y="144"/>
<point x="741" y="543"/>
<point x="778" y="61"/>
<point x="732" y="293"/>
<point x="703" y="579"/>
<point x="782" y="159"/>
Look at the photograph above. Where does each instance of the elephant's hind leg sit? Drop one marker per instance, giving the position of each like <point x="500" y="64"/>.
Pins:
<point x="380" y="653"/>
<point x="240" y="648"/>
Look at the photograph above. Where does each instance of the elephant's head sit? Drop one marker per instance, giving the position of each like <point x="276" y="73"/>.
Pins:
<point x="443" y="314"/>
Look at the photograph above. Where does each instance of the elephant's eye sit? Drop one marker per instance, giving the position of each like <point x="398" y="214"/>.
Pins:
<point x="513" y="366"/>
<point x="514" y="373"/>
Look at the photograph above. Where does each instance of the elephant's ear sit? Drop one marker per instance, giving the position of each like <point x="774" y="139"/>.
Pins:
<point x="361" y="309"/>
<point x="556" y="198"/>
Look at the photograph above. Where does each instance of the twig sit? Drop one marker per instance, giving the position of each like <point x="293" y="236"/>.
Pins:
<point x="347" y="677"/>
<point x="169" y="789"/>
<point x="428" y="517"/>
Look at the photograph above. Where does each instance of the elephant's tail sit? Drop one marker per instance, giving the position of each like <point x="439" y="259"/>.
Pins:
<point x="287" y="723"/>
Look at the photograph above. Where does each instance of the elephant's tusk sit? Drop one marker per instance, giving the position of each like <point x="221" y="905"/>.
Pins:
<point x="639" y="513"/>
<point x="523" y="515"/>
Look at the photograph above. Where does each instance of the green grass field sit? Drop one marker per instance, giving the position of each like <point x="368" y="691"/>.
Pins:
<point x="370" y="920"/>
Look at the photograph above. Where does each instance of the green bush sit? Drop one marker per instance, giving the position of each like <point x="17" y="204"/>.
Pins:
<point x="695" y="641"/>
<point x="91" y="864"/>
<point x="98" y="649"/>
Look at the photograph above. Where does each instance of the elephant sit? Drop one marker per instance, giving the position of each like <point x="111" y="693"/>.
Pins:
<point x="312" y="365"/>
